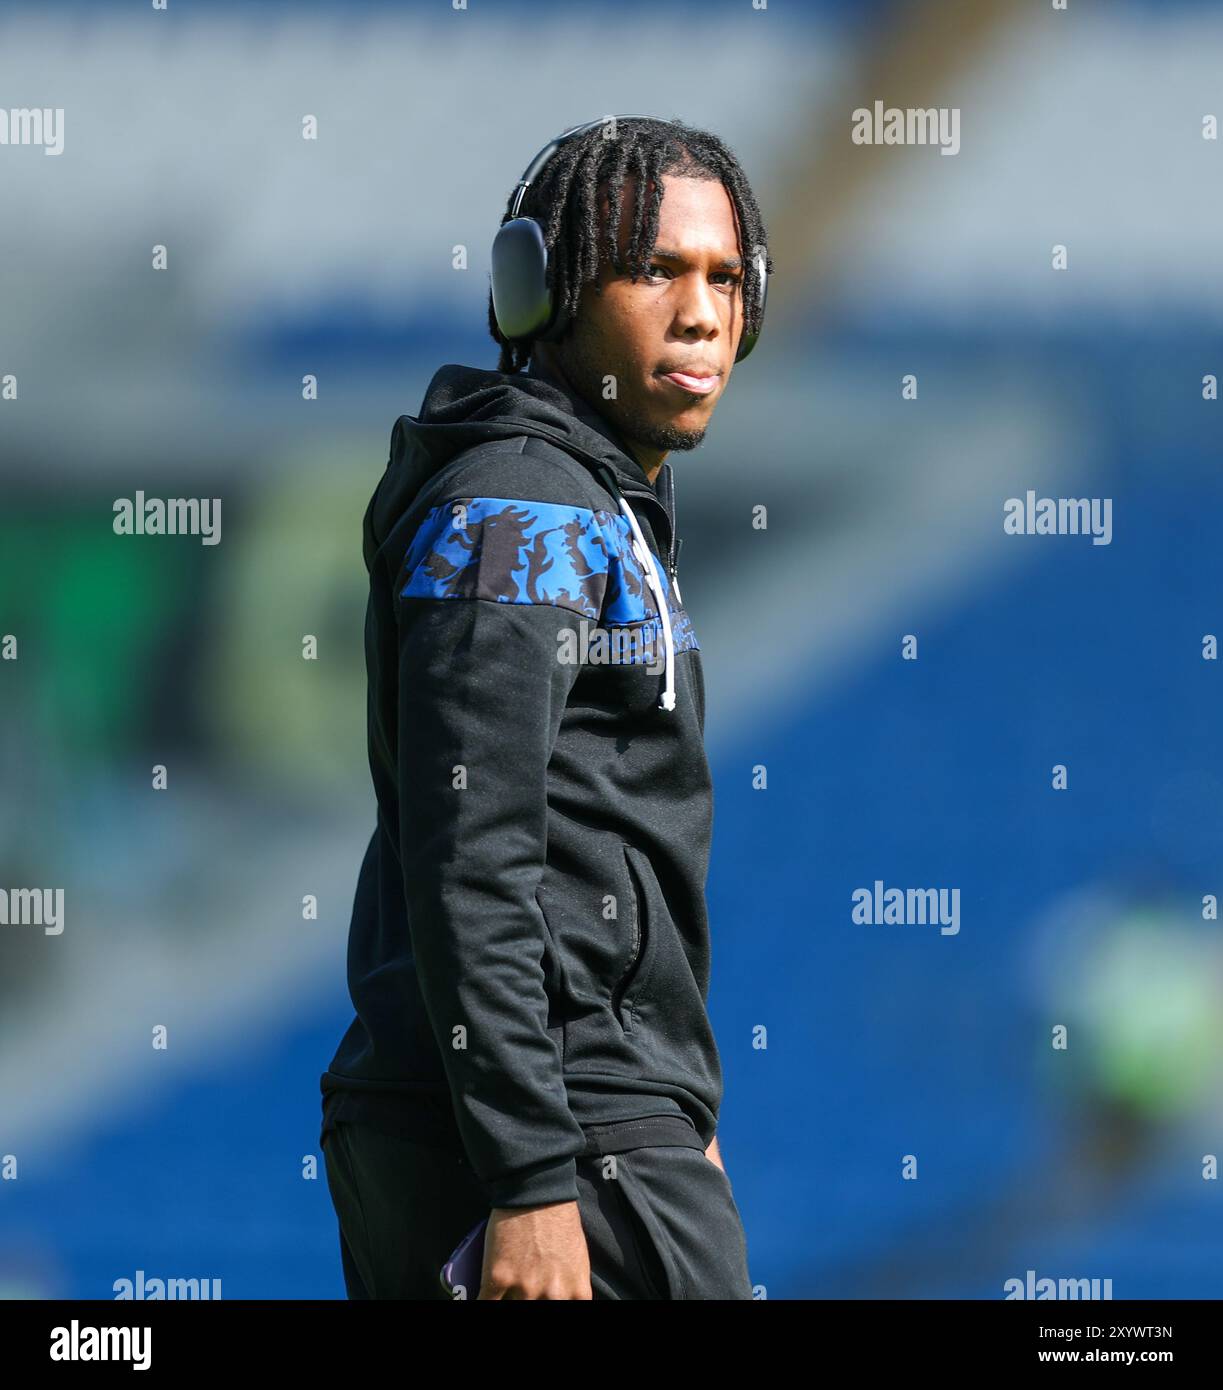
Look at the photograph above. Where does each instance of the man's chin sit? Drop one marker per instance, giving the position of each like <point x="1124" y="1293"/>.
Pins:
<point x="666" y="436"/>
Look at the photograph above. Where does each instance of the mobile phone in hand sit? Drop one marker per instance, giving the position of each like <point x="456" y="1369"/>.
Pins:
<point x="462" y="1273"/>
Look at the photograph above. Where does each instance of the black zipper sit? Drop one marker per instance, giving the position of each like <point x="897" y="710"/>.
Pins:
<point x="675" y="541"/>
<point x="634" y="953"/>
<point x="666" y="507"/>
<point x="668" y="510"/>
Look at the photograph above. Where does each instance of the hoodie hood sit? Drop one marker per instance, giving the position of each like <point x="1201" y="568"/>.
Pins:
<point x="466" y="406"/>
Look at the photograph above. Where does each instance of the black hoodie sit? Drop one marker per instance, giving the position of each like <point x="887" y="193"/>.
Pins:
<point x="529" y="949"/>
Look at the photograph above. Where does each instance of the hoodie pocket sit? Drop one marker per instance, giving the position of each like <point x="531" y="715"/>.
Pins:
<point x="592" y="927"/>
<point x="642" y="946"/>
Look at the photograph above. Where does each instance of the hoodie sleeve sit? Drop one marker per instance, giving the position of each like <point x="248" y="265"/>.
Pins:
<point x="485" y="595"/>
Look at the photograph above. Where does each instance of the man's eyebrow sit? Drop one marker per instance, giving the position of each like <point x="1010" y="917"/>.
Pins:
<point x="727" y="263"/>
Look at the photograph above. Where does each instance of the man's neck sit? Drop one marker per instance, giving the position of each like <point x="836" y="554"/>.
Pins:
<point x="651" y="460"/>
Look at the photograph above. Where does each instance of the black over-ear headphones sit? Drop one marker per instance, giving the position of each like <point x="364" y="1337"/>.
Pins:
<point x="522" y="297"/>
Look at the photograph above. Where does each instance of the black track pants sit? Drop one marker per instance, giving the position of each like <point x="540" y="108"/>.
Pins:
<point x="660" y="1222"/>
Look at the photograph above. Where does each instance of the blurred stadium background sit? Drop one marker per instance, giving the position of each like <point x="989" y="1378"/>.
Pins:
<point x="334" y="258"/>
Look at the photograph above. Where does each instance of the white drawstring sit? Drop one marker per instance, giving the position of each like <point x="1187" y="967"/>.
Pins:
<point x="646" y="560"/>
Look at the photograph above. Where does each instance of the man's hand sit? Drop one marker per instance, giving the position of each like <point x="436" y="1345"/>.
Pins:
<point x="536" y="1252"/>
<point x="714" y="1154"/>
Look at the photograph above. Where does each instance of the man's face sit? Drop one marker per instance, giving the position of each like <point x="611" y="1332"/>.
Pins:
<point x="685" y="315"/>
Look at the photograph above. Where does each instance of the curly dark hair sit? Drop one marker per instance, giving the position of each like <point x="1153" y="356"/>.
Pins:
<point x="564" y="200"/>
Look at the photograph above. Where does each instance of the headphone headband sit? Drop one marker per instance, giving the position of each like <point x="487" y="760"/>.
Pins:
<point x="535" y="168"/>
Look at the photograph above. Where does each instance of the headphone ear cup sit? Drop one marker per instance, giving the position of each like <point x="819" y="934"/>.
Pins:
<point x="522" y="301"/>
<point x="748" y="340"/>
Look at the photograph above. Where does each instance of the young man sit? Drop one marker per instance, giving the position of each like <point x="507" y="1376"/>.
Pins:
<point x="529" y="955"/>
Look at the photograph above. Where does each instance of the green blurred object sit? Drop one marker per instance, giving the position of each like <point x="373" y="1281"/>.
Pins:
<point x="91" y="611"/>
<point x="1150" y="1009"/>
<point x="295" y="568"/>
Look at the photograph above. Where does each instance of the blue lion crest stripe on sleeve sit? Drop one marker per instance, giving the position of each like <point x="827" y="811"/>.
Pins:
<point x="513" y="551"/>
